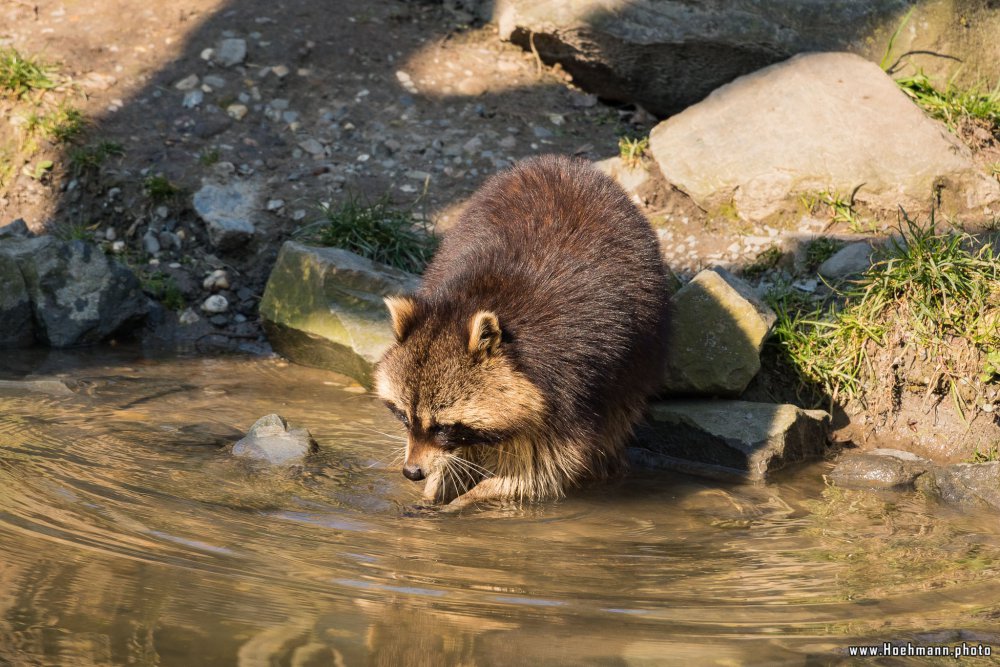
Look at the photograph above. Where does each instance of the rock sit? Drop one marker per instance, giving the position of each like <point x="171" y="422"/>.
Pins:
<point x="193" y="98"/>
<point x="150" y="242"/>
<point x="230" y="52"/>
<point x="237" y="111"/>
<point x="272" y="441"/>
<point x="188" y="317"/>
<point x="189" y="82"/>
<point x="970" y="485"/>
<point x="717" y="329"/>
<point x="669" y="54"/>
<point x="227" y="210"/>
<point x="630" y="177"/>
<point x="849" y="261"/>
<point x="879" y="469"/>
<point x="215" y="304"/>
<point x="216" y="280"/>
<point x="16" y="229"/>
<point x="79" y="295"/>
<point x="312" y="146"/>
<point x="214" y="81"/>
<point x="323" y="307"/>
<point x="730" y="439"/>
<point x="50" y="387"/>
<point x="842" y="123"/>
<point x="17" y="324"/>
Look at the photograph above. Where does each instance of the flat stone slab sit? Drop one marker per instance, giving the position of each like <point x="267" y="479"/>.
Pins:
<point x="819" y="122"/>
<point x="323" y="307"/>
<point x="730" y="439"/>
<point x="272" y="441"/>
<point x="717" y="329"/>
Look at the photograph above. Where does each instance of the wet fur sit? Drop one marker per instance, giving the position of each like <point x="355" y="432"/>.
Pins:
<point x="555" y="254"/>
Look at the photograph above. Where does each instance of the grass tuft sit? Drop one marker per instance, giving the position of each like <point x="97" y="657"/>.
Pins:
<point x="375" y="230"/>
<point x="60" y="126"/>
<point x="953" y="105"/>
<point x="632" y="150"/>
<point x="766" y="260"/>
<point x="94" y="155"/>
<point x="931" y="302"/>
<point x="841" y="209"/>
<point x="159" y="188"/>
<point x="20" y="75"/>
<point x="821" y="249"/>
<point x="164" y="289"/>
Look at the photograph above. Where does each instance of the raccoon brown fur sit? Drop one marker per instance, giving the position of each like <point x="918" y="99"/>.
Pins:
<point x="526" y="357"/>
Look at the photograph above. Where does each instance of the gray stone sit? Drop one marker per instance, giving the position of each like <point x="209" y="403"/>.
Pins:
<point x="16" y="229"/>
<point x="669" y="54"/>
<point x="842" y="126"/>
<point x="230" y="52"/>
<point x="189" y="82"/>
<point x="271" y="440"/>
<point x="851" y="260"/>
<point x="730" y="439"/>
<point x="879" y="469"/>
<point x="717" y="329"/>
<point x="193" y="98"/>
<point x="228" y="211"/>
<point x="150" y="242"/>
<point x="79" y="295"/>
<point x="968" y="485"/>
<point x="323" y="307"/>
<point x="50" y="387"/>
<point x="17" y="324"/>
<point x="215" y="304"/>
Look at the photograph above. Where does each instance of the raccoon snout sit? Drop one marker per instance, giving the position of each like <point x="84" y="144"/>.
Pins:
<point x="413" y="472"/>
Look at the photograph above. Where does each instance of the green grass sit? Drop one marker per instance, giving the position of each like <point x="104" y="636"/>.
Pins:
<point x="952" y="104"/>
<point x="766" y="260"/>
<point x="841" y="209"/>
<point x="209" y="156"/>
<point x="62" y="125"/>
<point x="20" y="75"/>
<point x="164" y="289"/>
<point x="821" y="249"/>
<point x="92" y="156"/>
<point x="933" y="294"/>
<point x="159" y="188"/>
<point x="75" y="232"/>
<point x="375" y="230"/>
<point x="992" y="453"/>
<point x="632" y="150"/>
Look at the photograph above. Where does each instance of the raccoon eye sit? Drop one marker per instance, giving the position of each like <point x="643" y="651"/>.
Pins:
<point x="460" y="435"/>
<point x="400" y="415"/>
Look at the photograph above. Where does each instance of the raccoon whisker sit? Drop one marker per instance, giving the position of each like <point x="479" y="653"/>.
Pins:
<point x="475" y="467"/>
<point x="394" y="436"/>
<point x="398" y="456"/>
<point x="465" y="471"/>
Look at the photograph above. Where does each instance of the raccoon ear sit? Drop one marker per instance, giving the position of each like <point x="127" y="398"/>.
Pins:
<point x="401" y="310"/>
<point x="484" y="334"/>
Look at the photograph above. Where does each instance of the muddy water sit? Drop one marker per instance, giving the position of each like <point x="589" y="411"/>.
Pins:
<point x="128" y="536"/>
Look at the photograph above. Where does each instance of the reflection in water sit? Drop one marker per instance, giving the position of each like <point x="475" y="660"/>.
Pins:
<point x="129" y="536"/>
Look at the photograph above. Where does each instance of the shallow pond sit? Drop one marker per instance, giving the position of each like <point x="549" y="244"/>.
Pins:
<point x="129" y="536"/>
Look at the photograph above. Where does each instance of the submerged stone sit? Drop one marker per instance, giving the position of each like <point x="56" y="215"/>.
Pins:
<point x="969" y="485"/>
<point x="272" y="441"/>
<point x="730" y="439"/>
<point x="717" y="329"/>
<point x="879" y="469"/>
<point x="323" y="307"/>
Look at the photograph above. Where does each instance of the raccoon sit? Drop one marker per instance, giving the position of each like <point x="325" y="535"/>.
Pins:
<point x="525" y="359"/>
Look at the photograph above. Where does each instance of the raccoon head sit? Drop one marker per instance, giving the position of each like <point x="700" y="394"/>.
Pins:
<point x="452" y="381"/>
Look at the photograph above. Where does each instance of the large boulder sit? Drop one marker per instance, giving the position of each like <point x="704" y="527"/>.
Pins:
<point x="17" y="326"/>
<point x="730" y="439"/>
<point x="323" y="307"/>
<point x="822" y="122"/>
<point x="970" y="485"/>
<point x="669" y="54"/>
<point x="717" y="329"/>
<point x="78" y="295"/>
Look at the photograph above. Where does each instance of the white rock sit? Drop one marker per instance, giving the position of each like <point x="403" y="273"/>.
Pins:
<point x="188" y="317"/>
<point x="187" y="83"/>
<point x="275" y="204"/>
<point x="193" y="98"/>
<point x="216" y="280"/>
<point x="237" y="111"/>
<point x="215" y="304"/>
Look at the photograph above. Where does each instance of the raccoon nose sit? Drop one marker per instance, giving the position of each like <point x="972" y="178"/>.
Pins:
<point x="413" y="472"/>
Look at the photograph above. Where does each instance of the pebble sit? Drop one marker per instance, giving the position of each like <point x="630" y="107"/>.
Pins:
<point x="280" y="71"/>
<point x="312" y="146"/>
<point x="275" y="204"/>
<point x="216" y="280"/>
<point x="214" y="80"/>
<point x="215" y="304"/>
<point x="230" y="52"/>
<point x="237" y="111"/>
<point x="150" y="243"/>
<point x="193" y="98"/>
<point x="299" y="214"/>
<point x="110" y="234"/>
<point x="118" y="247"/>
<point x="190" y="82"/>
<point x="188" y="317"/>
